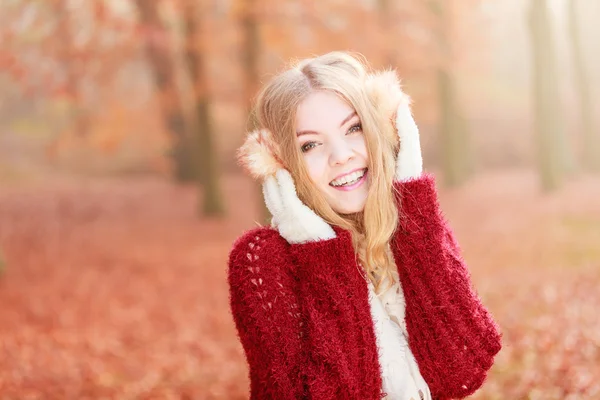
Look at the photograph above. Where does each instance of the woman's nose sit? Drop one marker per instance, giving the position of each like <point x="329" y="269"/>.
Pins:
<point x="341" y="153"/>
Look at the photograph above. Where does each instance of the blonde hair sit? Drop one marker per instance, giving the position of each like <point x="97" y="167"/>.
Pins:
<point x="275" y="110"/>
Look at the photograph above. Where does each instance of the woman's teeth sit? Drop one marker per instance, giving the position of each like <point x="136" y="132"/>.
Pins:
<point x="348" y="179"/>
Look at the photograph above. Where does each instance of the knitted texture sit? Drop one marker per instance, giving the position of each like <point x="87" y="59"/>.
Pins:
<point x="451" y="334"/>
<point x="340" y="332"/>
<point x="267" y="315"/>
<point x="303" y="316"/>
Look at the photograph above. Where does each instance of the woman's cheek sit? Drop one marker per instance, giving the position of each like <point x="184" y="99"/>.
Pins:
<point x="359" y="144"/>
<point x="316" y="165"/>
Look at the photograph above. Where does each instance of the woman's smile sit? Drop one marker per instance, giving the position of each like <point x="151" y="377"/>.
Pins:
<point x="350" y="181"/>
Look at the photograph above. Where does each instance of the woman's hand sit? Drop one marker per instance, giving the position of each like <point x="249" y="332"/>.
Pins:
<point x="384" y="90"/>
<point x="294" y="220"/>
<point x="409" y="162"/>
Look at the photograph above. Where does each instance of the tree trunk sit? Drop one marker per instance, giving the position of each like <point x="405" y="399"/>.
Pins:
<point x="251" y="51"/>
<point x="590" y="139"/>
<point x="457" y="159"/>
<point x="385" y="12"/>
<point x="212" y="200"/>
<point x="163" y="71"/>
<point x="71" y="64"/>
<point x="2" y="264"/>
<point x="551" y="142"/>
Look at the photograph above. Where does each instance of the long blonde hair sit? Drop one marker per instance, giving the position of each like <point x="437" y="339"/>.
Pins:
<point x="275" y="110"/>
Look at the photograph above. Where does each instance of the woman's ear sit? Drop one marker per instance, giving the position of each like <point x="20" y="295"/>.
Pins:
<point x="259" y="155"/>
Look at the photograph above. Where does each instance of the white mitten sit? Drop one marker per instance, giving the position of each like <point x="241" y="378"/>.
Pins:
<point x="295" y="221"/>
<point x="409" y="162"/>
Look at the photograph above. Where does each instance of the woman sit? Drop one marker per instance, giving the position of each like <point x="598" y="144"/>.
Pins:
<point x="357" y="290"/>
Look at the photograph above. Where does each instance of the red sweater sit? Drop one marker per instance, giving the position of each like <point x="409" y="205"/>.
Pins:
<point x="303" y="317"/>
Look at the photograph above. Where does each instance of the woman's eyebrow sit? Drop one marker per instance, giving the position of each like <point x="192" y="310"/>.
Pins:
<point x="300" y="133"/>
<point x="348" y="118"/>
<point x="352" y="114"/>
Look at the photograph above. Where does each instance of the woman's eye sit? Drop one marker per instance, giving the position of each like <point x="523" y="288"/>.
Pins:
<point x="355" y="128"/>
<point x="307" y="146"/>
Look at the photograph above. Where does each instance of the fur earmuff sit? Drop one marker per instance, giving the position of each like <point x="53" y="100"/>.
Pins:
<point x="259" y="155"/>
<point x="385" y="91"/>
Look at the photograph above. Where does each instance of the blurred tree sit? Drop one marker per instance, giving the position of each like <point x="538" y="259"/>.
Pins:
<point x="64" y="57"/>
<point x="158" y="51"/>
<point x="386" y="14"/>
<point x="2" y="264"/>
<point x="71" y="58"/>
<point x="551" y="141"/>
<point x="590" y="138"/>
<point x="251" y="48"/>
<point x="107" y="36"/>
<point x="204" y="149"/>
<point x="455" y="143"/>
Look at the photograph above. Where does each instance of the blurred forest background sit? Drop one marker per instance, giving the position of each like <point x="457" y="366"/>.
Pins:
<point x="120" y="195"/>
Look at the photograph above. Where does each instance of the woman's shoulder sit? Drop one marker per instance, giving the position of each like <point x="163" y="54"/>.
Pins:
<point x="261" y="248"/>
<point x="257" y="239"/>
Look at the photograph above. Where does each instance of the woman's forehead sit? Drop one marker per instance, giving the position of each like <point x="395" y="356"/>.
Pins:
<point x="322" y="110"/>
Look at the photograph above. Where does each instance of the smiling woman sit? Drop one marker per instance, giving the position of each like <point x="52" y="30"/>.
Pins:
<point x="330" y="137"/>
<point x="358" y="289"/>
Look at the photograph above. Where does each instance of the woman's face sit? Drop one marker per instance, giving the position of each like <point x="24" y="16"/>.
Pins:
<point x="330" y="137"/>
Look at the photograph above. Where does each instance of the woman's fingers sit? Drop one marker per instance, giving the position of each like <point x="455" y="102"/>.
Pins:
<point x="288" y="192"/>
<point x="296" y="222"/>
<point x="410" y="161"/>
<point x="405" y="123"/>
<point x="271" y="193"/>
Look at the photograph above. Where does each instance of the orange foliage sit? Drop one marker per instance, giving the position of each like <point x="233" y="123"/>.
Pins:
<point x="78" y="52"/>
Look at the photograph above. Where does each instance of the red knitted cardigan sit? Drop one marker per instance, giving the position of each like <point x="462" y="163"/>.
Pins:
<point x="303" y="316"/>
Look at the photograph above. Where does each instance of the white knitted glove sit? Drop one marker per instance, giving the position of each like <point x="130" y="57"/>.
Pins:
<point x="295" y="221"/>
<point x="409" y="163"/>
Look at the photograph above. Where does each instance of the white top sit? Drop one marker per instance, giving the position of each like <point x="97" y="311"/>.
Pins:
<point x="399" y="370"/>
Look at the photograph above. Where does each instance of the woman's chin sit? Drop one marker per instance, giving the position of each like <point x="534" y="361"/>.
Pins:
<point x="347" y="209"/>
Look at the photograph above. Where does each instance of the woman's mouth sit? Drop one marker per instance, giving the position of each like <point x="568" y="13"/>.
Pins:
<point x="350" y="181"/>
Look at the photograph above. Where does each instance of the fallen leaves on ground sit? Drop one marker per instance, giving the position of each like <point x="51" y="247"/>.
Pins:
<point x="113" y="288"/>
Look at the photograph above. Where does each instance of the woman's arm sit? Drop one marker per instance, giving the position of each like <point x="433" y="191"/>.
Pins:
<point x="451" y="334"/>
<point x="266" y="315"/>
